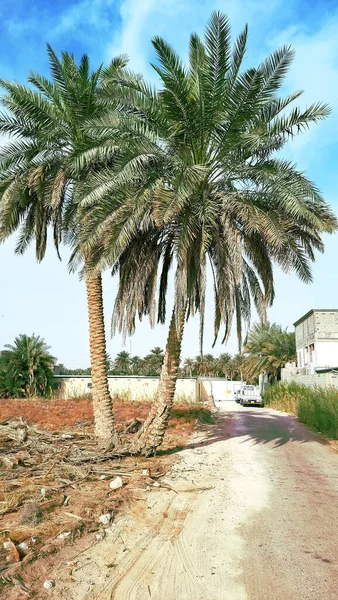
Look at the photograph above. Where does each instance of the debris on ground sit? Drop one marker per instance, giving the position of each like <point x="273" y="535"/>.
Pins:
<point x="48" y="584"/>
<point x="56" y="487"/>
<point x="116" y="483"/>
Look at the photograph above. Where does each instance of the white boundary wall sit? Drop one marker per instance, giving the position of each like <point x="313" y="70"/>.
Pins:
<point x="130" y="388"/>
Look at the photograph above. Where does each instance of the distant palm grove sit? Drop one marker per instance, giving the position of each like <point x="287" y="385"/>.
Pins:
<point x="174" y="188"/>
<point x="150" y="366"/>
<point x="27" y="368"/>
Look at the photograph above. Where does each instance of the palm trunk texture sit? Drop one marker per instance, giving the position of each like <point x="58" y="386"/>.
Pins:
<point x="102" y="401"/>
<point x="152" y="433"/>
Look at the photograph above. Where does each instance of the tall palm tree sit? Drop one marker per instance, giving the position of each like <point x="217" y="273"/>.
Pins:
<point x="210" y="192"/>
<point x="41" y="169"/>
<point x="26" y="367"/>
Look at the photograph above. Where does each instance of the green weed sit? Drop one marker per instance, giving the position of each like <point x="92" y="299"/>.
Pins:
<point x="316" y="406"/>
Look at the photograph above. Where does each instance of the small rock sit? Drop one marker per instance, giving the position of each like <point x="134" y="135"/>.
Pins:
<point x="103" y="477"/>
<point x="116" y="483"/>
<point x="64" y="535"/>
<point x="156" y="484"/>
<point x="100" y="536"/>
<point x="23" y="546"/>
<point x="7" y="545"/>
<point x="66" y="436"/>
<point x="66" y="501"/>
<point x="145" y="472"/>
<point x="148" y="488"/>
<point x="48" y="584"/>
<point x="43" y="492"/>
<point x="34" y="539"/>
<point x="105" y="519"/>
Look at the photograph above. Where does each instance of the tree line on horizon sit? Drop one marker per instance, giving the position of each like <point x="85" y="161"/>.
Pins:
<point x="268" y="349"/>
<point x="27" y="368"/>
<point x="206" y="365"/>
<point x="153" y="182"/>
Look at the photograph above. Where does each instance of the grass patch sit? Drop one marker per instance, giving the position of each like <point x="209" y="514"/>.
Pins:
<point x="196" y="413"/>
<point x="316" y="407"/>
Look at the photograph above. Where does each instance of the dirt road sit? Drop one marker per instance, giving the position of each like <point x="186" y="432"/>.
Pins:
<point x="266" y="530"/>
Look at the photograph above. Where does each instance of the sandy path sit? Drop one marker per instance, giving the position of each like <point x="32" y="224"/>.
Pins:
<point x="267" y="530"/>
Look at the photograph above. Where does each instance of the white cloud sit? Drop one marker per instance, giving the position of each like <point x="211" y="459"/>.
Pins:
<point x="91" y="13"/>
<point x="315" y="70"/>
<point x="85" y="14"/>
<point x="175" y="20"/>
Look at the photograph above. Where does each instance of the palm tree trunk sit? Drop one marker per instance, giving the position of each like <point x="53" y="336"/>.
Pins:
<point x="152" y="433"/>
<point x="102" y="402"/>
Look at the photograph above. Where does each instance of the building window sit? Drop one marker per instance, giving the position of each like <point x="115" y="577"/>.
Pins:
<point x="89" y="386"/>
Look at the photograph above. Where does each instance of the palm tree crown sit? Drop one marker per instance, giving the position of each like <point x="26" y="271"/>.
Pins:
<point x="210" y="189"/>
<point x="26" y="367"/>
<point x="270" y="347"/>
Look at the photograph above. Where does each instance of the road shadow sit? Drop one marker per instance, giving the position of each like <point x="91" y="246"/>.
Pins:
<point x="255" y="426"/>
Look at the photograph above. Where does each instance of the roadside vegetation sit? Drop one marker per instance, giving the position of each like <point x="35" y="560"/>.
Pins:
<point x="317" y="407"/>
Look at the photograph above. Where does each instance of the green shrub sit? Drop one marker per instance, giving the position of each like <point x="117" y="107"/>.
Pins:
<point x="316" y="406"/>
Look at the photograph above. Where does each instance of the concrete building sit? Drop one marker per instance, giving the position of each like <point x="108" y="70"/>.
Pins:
<point x="317" y="341"/>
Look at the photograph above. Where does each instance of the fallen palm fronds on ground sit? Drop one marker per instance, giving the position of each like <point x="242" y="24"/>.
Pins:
<point x="55" y="485"/>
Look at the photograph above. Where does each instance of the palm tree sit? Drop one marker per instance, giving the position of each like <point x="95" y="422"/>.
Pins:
<point x="121" y="365"/>
<point x="270" y="347"/>
<point x="224" y="363"/>
<point x="26" y="368"/>
<point x="239" y="366"/>
<point x="189" y="366"/>
<point x="41" y="170"/>
<point x="137" y="365"/>
<point x="152" y="362"/>
<point x="210" y="191"/>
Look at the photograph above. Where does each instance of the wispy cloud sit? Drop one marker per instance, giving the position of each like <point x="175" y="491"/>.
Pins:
<point x="175" y="20"/>
<point x="315" y="70"/>
<point x="85" y="15"/>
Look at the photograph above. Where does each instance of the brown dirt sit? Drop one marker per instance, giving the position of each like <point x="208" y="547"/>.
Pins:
<point x="73" y="499"/>
<point x="59" y="414"/>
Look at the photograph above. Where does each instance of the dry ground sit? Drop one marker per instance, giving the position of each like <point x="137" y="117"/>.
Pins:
<point x="247" y="511"/>
<point x="49" y="487"/>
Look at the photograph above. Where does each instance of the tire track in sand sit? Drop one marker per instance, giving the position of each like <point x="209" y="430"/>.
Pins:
<point x="143" y="574"/>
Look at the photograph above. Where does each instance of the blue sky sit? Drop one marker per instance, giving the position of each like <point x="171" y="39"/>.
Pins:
<point x="46" y="300"/>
